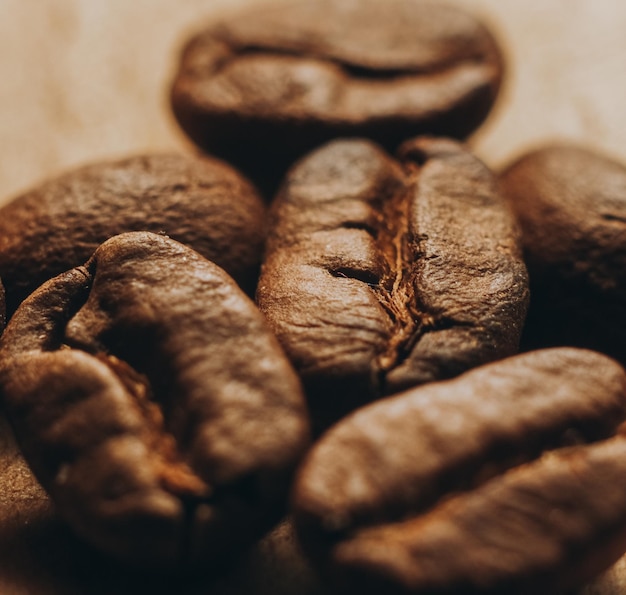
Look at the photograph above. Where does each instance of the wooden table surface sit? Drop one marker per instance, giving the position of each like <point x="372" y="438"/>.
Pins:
<point x="82" y="80"/>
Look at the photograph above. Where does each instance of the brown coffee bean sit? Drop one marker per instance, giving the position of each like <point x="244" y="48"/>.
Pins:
<point x="508" y="479"/>
<point x="200" y="202"/>
<point x="274" y="81"/>
<point x="382" y="274"/>
<point x="571" y="205"/>
<point x="153" y="404"/>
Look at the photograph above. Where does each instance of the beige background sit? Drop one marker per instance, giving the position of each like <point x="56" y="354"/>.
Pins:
<point x="82" y="80"/>
<point x="87" y="79"/>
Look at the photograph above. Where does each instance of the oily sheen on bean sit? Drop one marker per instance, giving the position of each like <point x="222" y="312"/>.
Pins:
<point x="503" y="480"/>
<point x="153" y="404"/>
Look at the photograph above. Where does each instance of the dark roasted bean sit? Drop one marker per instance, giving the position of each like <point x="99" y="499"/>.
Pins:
<point x="200" y="202"/>
<point x="153" y="403"/>
<point x="274" y="81"/>
<point x="382" y="274"/>
<point x="504" y="480"/>
<point x="571" y="205"/>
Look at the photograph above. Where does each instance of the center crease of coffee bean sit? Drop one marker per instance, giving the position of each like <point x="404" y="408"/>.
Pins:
<point x="396" y="290"/>
<point x="176" y="475"/>
<point x="232" y="51"/>
<point x="354" y="71"/>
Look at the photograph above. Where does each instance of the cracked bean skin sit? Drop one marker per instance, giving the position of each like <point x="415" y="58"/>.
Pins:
<point x="571" y="206"/>
<point x="383" y="273"/>
<point x="507" y="479"/>
<point x="153" y="404"/>
<point x="303" y="73"/>
<point x="201" y="202"/>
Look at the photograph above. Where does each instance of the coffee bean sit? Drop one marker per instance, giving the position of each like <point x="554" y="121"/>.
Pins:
<point x="382" y="273"/>
<point x="153" y="404"/>
<point x="571" y="205"/>
<point x="274" y="81"/>
<point x="200" y="202"/>
<point x="504" y="480"/>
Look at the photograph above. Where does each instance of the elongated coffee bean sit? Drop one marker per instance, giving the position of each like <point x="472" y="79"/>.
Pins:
<point x="275" y="80"/>
<point x="571" y="206"/>
<point x="153" y="403"/>
<point x="383" y="273"/>
<point x="200" y="202"/>
<point x="508" y="479"/>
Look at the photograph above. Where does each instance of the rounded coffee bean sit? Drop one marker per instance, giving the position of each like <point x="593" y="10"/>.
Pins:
<point x="571" y="205"/>
<point x="276" y="80"/>
<point x="383" y="273"/>
<point x="508" y="479"/>
<point x="201" y="202"/>
<point x="153" y="403"/>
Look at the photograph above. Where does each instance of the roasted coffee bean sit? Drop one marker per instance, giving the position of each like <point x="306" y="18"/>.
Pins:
<point x="382" y="274"/>
<point x="200" y="202"/>
<point x="571" y="205"/>
<point x="153" y="403"/>
<point x="275" y="81"/>
<point x="508" y="479"/>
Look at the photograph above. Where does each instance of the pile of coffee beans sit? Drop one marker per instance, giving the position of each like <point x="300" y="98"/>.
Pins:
<point x="338" y="323"/>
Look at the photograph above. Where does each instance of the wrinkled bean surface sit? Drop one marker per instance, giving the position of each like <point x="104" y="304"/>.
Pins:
<point x="504" y="480"/>
<point x="385" y="273"/>
<point x="153" y="404"/>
